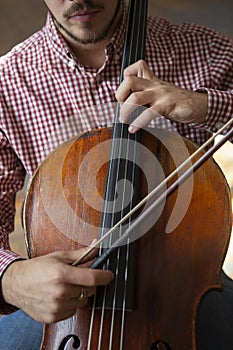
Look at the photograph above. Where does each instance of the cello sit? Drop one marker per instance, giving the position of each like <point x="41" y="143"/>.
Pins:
<point x="172" y="260"/>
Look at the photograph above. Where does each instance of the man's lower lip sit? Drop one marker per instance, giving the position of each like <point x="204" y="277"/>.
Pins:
<point x="85" y="17"/>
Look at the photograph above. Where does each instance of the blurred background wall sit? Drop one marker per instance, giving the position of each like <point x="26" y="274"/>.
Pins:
<point x="21" y="18"/>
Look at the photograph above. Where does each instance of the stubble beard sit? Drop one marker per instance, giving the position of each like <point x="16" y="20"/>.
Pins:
<point x="91" y="37"/>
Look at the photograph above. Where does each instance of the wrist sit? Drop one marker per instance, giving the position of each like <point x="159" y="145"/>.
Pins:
<point x="9" y="286"/>
<point x="201" y="106"/>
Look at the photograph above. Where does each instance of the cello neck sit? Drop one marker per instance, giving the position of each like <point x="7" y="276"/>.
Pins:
<point x="135" y="41"/>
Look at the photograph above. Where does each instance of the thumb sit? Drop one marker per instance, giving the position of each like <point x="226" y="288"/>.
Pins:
<point x="71" y="256"/>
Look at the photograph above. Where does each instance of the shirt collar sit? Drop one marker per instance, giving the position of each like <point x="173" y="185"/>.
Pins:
<point x="62" y="49"/>
<point x="56" y="40"/>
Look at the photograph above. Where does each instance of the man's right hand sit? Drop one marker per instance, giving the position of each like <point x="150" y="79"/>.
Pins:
<point x="48" y="288"/>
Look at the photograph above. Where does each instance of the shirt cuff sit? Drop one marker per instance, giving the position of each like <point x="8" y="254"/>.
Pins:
<point x="220" y="109"/>
<point x="7" y="257"/>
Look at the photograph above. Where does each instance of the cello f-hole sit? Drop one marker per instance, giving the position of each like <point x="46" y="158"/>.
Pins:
<point x="67" y="340"/>
<point x="160" y="345"/>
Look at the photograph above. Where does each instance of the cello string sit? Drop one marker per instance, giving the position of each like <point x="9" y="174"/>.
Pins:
<point x="113" y="158"/>
<point x="108" y="185"/>
<point x="124" y="300"/>
<point x="102" y="319"/>
<point x="91" y="323"/>
<point x="127" y="166"/>
<point x="156" y="189"/>
<point x="135" y="29"/>
<point x="114" y="303"/>
<point x="118" y="149"/>
<point x="141" y="28"/>
<point x="119" y="155"/>
<point x="115" y="150"/>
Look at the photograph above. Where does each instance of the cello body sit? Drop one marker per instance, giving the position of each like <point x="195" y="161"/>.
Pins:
<point x="173" y="268"/>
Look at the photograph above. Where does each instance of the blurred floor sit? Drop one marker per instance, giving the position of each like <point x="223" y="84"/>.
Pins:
<point x="17" y="239"/>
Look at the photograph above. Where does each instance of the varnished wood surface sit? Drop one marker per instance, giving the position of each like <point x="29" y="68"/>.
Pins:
<point x="174" y="269"/>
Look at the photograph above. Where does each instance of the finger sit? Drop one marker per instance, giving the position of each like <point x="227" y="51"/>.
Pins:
<point x="136" y="99"/>
<point x="79" y="299"/>
<point x="66" y="304"/>
<point x="88" y="277"/>
<point x="143" y="120"/>
<point x="129" y="85"/>
<point x="70" y="256"/>
<point x="139" y="69"/>
<point x="76" y="291"/>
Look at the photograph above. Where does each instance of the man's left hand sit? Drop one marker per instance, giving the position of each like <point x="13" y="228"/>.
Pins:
<point x="141" y="87"/>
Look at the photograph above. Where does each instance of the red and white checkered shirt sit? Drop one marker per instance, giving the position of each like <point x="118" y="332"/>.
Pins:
<point x="43" y="86"/>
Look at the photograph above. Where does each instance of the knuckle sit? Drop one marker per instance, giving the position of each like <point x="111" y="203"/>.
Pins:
<point x="143" y="67"/>
<point x="126" y="70"/>
<point x="59" y="292"/>
<point x="142" y="63"/>
<point x="135" y="97"/>
<point x="119" y="96"/>
<point x="129" y="80"/>
<point x="58" y="274"/>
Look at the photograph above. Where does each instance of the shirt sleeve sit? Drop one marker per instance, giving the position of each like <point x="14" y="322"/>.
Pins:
<point x="12" y="176"/>
<point x="220" y="91"/>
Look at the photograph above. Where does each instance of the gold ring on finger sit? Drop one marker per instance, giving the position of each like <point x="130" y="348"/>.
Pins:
<point x="83" y="294"/>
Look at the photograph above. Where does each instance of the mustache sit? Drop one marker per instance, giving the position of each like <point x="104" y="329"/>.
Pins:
<point x="86" y="5"/>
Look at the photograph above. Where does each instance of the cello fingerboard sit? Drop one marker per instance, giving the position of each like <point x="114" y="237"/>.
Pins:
<point x="121" y="191"/>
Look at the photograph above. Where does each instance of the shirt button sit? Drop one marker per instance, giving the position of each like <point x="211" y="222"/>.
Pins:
<point x="219" y="125"/>
<point x="92" y="81"/>
<point x="72" y="64"/>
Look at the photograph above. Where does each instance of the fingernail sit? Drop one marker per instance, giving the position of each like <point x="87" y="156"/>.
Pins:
<point x="131" y="129"/>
